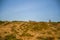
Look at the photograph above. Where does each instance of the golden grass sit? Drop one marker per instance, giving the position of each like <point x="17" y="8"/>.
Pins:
<point x="31" y="30"/>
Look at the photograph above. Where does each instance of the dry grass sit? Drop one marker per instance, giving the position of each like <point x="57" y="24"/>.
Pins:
<point x="21" y="30"/>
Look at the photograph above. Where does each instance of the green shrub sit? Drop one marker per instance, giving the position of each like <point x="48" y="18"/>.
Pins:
<point x="26" y="34"/>
<point x="45" y="38"/>
<point x="1" y="22"/>
<point x="11" y="37"/>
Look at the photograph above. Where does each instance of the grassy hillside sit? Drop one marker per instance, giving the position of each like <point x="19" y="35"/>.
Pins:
<point x="22" y="30"/>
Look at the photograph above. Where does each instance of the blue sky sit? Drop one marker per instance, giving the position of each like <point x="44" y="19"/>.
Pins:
<point x="36" y="10"/>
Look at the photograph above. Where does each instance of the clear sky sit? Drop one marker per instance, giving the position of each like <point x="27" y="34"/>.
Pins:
<point x="36" y="10"/>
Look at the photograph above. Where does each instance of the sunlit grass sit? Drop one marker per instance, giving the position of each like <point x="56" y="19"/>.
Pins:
<point x="45" y="30"/>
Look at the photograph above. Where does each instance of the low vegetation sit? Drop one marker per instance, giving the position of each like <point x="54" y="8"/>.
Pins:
<point x="22" y="30"/>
